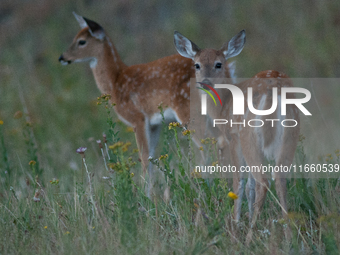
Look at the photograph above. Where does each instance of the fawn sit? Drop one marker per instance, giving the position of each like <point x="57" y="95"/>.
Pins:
<point x="137" y="90"/>
<point x="248" y="145"/>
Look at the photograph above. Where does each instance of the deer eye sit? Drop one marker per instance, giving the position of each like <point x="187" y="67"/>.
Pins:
<point x="82" y="42"/>
<point x="218" y="65"/>
<point x="197" y="66"/>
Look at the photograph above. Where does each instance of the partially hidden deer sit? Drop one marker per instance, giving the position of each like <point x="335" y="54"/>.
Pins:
<point x="137" y="90"/>
<point x="249" y="145"/>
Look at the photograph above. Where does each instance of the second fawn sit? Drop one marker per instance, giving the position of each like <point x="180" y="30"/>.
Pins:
<point x="249" y="145"/>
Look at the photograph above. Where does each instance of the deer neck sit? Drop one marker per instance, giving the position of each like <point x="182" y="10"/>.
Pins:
<point x="107" y="67"/>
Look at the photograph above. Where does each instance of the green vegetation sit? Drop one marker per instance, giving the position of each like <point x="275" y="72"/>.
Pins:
<point x="51" y="202"/>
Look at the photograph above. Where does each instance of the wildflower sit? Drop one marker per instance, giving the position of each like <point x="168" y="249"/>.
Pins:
<point x="1" y="122"/>
<point x="116" y="145"/>
<point x="45" y="227"/>
<point x="67" y="232"/>
<point x="205" y="141"/>
<point x="129" y="129"/>
<point x="126" y="146"/>
<point x="135" y="150"/>
<point x="104" y="138"/>
<point x="232" y="195"/>
<point x="173" y="125"/>
<point x="99" y="142"/>
<point x="81" y="151"/>
<point x="301" y="137"/>
<point x="163" y="156"/>
<point x="214" y="163"/>
<point x="104" y="97"/>
<point x="195" y="174"/>
<point x="201" y="148"/>
<point x="132" y="175"/>
<point x="188" y="132"/>
<point x="32" y="163"/>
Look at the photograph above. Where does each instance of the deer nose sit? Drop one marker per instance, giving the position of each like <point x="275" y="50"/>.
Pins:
<point x="63" y="61"/>
<point x="206" y="82"/>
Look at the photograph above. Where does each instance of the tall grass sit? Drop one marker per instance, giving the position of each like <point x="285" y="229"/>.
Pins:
<point x="105" y="209"/>
<point x="49" y="203"/>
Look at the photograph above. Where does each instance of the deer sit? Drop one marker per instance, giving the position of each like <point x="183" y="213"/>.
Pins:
<point x="248" y="145"/>
<point x="137" y="90"/>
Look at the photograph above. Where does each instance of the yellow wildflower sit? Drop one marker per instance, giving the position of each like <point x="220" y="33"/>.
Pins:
<point x="132" y="175"/>
<point x="129" y="129"/>
<point x="195" y="174"/>
<point x="32" y="163"/>
<point x="232" y="195"/>
<point x="45" y="227"/>
<point x="1" y="122"/>
<point x="116" y="145"/>
<point x="126" y="146"/>
<point x="163" y="156"/>
<point x="201" y="148"/>
<point x="301" y="137"/>
<point x="173" y="124"/>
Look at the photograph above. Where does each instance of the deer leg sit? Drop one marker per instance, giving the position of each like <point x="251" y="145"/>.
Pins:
<point x="142" y="138"/>
<point x="261" y="188"/>
<point x="153" y="138"/>
<point x="254" y="158"/>
<point x="238" y="180"/>
<point x="250" y="193"/>
<point x="281" y="188"/>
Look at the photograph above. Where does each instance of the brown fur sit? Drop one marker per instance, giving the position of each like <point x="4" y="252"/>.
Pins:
<point x="247" y="144"/>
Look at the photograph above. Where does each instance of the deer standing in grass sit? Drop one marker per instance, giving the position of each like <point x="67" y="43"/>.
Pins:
<point x="249" y="145"/>
<point x="136" y="90"/>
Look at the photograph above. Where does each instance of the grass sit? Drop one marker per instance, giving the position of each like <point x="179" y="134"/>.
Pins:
<point x="48" y="111"/>
<point x="97" y="209"/>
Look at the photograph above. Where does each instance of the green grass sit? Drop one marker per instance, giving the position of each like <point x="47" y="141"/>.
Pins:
<point x="84" y="213"/>
<point x="60" y="114"/>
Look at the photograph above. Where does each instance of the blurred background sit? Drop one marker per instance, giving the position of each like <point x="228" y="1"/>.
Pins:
<point x="300" y="38"/>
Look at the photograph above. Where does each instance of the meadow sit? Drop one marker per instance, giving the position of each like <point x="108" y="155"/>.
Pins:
<point x="54" y="200"/>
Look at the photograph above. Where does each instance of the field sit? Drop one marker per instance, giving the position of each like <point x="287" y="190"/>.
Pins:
<point x="54" y="201"/>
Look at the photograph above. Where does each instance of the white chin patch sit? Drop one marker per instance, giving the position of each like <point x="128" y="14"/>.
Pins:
<point x="64" y="63"/>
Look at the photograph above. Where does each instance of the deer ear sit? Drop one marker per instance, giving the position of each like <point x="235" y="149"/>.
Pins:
<point x="235" y="45"/>
<point x="95" y="29"/>
<point x="80" y="20"/>
<point x="184" y="46"/>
